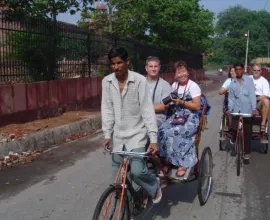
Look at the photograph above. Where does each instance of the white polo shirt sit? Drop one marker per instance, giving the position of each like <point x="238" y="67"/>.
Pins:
<point x="261" y="86"/>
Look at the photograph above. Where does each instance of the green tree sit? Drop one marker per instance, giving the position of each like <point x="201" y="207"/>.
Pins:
<point x="179" y="24"/>
<point x="36" y="52"/>
<point x="231" y="27"/>
<point x="46" y="47"/>
<point x="45" y="8"/>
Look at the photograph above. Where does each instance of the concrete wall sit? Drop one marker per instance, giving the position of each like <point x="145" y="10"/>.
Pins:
<point x="22" y="102"/>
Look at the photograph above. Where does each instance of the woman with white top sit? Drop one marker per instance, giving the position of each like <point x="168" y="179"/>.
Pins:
<point x="224" y="89"/>
<point x="177" y="134"/>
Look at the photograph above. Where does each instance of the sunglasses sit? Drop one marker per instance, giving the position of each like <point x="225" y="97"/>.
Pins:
<point x="238" y="68"/>
<point x="256" y="70"/>
<point x="150" y="57"/>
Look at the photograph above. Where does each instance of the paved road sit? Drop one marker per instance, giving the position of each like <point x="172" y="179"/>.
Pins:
<point x="65" y="184"/>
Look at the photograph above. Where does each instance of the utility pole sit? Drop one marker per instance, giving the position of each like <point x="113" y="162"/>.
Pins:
<point x="247" y="36"/>
<point x="268" y="50"/>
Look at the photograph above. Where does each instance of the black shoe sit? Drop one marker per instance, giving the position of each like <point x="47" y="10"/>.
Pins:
<point x="233" y="153"/>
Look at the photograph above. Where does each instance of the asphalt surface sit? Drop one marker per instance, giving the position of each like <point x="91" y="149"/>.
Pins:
<point x="66" y="182"/>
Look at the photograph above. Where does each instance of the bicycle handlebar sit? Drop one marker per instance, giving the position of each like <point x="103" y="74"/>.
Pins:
<point x="241" y="114"/>
<point x="128" y="153"/>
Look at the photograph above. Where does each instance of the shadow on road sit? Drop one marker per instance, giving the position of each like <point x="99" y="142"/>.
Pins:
<point x="172" y="197"/>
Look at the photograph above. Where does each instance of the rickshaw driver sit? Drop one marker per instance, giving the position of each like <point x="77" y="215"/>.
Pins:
<point x="242" y="99"/>
<point x="128" y="119"/>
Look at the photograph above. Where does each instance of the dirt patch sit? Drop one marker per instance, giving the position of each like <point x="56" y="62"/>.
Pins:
<point x="18" y="131"/>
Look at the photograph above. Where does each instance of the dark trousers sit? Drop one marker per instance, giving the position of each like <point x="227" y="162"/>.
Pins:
<point x="247" y="132"/>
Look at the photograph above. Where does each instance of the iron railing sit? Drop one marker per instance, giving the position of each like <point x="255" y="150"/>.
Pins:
<point x="38" y="49"/>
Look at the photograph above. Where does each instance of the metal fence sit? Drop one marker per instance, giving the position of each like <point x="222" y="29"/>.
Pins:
<point x="35" y="50"/>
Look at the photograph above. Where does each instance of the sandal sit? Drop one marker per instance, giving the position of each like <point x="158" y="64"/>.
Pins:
<point x="165" y="169"/>
<point x="157" y="200"/>
<point x="181" y="171"/>
<point x="263" y="128"/>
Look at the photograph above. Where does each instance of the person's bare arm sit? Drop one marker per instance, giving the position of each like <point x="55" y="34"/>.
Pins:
<point x="261" y="97"/>
<point x="161" y="107"/>
<point x="222" y="91"/>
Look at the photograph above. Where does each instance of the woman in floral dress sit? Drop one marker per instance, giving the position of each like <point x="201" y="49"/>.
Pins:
<point x="176" y="138"/>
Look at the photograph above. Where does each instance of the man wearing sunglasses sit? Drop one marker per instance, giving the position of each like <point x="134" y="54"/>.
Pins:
<point x="262" y="93"/>
<point x="158" y="88"/>
<point x="242" y="99"/>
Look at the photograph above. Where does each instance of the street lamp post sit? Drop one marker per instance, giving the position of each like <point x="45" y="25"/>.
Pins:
<point x="247" y="36"/>
<point x="111" y="6"/>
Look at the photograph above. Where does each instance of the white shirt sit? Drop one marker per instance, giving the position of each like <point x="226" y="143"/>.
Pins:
<point x="128" y="118"/>
<point x="192" y="88"/>
<point x="261" y="86"/>
<point x="227" y="83"/>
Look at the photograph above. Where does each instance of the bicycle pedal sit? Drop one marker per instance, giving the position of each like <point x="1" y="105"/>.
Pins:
<point x="145" y="202"/>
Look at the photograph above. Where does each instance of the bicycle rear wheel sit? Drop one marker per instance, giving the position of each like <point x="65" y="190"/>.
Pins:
<point x="221" y="134"/>
<point x="239" y="153"/>
<point x="109" y="204"/>
<point x="205" y="176"/>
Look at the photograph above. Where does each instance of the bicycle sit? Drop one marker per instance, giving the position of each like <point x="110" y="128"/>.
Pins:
<point x="138" y="199"/>
<point x="119" y="191"/>
<point x="240" y="144"/>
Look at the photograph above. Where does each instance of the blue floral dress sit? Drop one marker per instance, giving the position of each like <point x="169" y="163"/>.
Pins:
<point x="176" y="142"/>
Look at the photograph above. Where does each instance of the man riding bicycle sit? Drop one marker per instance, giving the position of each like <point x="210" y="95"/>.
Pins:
<point x="242" y="99"/>
<point x="128" y="119"/>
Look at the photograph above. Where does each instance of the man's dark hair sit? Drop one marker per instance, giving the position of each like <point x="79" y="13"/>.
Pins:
<point x="118" y="52"/>
<point x="229" y="73"/>
<point x="238" y="64"/>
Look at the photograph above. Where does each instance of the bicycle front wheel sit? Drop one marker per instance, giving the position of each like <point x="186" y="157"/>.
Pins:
<point x="109" y="204"/>
<point x="239" y="153"/>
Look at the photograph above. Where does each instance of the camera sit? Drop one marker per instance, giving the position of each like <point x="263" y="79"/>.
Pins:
<point x="169" y="98"/>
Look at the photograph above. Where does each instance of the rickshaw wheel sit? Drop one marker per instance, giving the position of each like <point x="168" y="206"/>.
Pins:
<point x="205" y="176"/>
<point x="221" y="134"/>
<point x="268" y="135"/>
<point x="265" y="150"/>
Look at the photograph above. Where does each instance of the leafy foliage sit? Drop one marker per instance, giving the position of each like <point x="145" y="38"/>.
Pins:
<point x="44" y="8"/>
<point x="231" y="27"/>
<point x="35" y="50"/>
<point x="179" y="24"/>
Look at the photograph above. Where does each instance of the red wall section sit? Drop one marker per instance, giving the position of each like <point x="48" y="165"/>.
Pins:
<point x="31" y="92"/>
<point x="53" y="93"/>
<point x="94" y="86"/>
<point x="71" y="91"/>
<point x="63" y="92"/>
<point x="44" y="99"/>
<point x="19" y="97"/>
<point x="42" y="94"/>
<point x="87" y="88"/>
<point x="6" y="100"/>
<point x="79" y="90"/>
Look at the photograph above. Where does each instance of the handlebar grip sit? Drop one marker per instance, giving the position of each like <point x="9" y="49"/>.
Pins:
<point x="108" y="148"/>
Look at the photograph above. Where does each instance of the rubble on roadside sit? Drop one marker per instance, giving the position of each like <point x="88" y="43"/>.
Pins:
<point x="15" y="159"/>
<point x="79" y="136"/>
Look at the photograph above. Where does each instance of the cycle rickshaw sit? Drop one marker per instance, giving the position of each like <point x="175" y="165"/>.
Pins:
<point x="123" y="197"/>
<point x="225" y="133"/>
